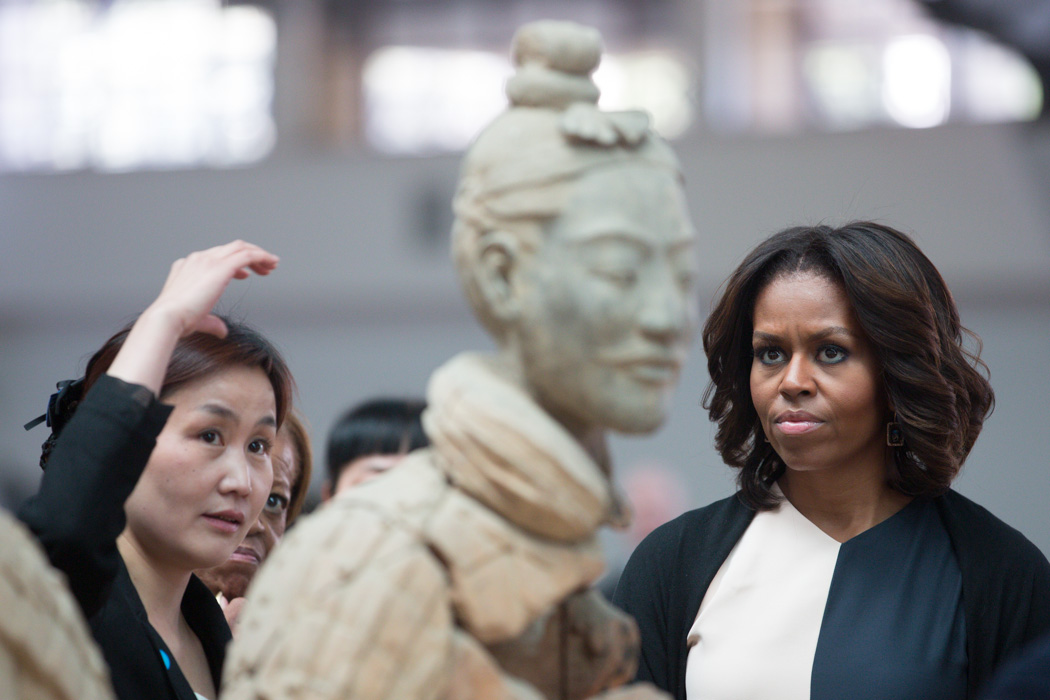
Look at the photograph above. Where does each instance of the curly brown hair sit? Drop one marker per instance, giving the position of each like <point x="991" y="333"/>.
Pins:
<point x="295" y="427"/>
<point x="937" y="386"/>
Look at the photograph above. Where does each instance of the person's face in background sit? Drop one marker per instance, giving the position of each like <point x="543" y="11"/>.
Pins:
<point x="364" y="469"/>
<point x="210" y="473"/>
<point x="232" y="577"/>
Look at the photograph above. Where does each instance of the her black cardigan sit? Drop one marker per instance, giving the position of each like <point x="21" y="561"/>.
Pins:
<point x="78" y="514"/>
<point x="1005" y="585"/>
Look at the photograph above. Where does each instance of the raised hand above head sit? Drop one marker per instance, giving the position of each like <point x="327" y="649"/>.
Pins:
<point x="196" y="282"/>
<point x="184" y="306"/>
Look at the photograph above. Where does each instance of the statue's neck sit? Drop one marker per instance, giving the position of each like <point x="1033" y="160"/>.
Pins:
<point x="590" y="436"/>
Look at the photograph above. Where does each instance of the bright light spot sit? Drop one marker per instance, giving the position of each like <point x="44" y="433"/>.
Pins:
<point x="1000" y="86"/>
<point x="420" y="100"/>
<point x="249" y="33"/>
<point x="844" y="83"/>
<point x="138" y="84"/>
<point x="652" y="81"/>
<point x="916" y="89"/>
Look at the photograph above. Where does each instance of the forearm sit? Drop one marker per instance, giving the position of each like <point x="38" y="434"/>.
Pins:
<point x="79" y="510"/>
<point x="184" y="306"/>
<point x="143" y="358"/>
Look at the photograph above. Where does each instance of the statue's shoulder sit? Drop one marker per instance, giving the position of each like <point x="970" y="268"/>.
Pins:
<point x="46" y="650"/>
<point x="363" y="528"/>
<point x="406" y="495"/>
<point x="352" y="588"/>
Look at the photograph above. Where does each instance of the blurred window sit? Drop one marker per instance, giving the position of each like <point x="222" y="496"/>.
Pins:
<point x="788" y="65"/>
<point x="420" y="100"/>
<point x="134" y="84"/>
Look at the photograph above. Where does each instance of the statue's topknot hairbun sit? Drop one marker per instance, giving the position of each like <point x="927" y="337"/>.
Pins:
<point x="555" y="61"/>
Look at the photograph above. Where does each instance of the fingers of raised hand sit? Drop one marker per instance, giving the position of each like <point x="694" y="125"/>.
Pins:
<point x="234" y="251"/>
<point x="233" y="260"/>
<point x="247" y="255"/>
<point x="196" y="282"/>
<point x="212" y="325"/>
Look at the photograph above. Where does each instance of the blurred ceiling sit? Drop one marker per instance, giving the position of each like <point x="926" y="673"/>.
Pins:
<point x="1022" y="24"/>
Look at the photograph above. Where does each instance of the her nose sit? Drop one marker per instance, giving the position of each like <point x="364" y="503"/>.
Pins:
<point x="237" y="477"/>
<point x="797" y="379"/>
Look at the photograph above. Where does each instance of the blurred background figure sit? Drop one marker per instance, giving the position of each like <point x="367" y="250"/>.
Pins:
<point x="46" y="650"/>
<point x="656" y="493"/>
<point x="292" y="459"/>
<point x="370" y="439"/>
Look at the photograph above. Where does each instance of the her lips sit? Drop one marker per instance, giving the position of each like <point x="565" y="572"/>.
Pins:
<point x="226" y="521"/>
<point x="797" y="427"/>
<point x="797" y="422"/>
<point x="230" y="515"/>
<point x="247" y="555"/>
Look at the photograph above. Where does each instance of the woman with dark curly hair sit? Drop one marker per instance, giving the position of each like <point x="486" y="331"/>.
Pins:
<point x="845" y="566"/>
<point x="292" y="458"/>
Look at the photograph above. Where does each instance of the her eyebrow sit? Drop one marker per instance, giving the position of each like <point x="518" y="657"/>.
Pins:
<point x="832" y="330"/>
<point x="220" y="411"/>
<point x="819" y="335"/>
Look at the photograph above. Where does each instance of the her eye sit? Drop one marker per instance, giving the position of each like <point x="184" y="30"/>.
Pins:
<point x="769" y="355"/>
<point x="276" y="504"/>
<point x="212" y="437"/>
<point x="832" y="354"/>
<point x="259" y="446"/>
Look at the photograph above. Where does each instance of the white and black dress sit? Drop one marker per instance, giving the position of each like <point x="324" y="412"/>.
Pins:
<point x="927" y="604"/>
<point x="796" y="615"/>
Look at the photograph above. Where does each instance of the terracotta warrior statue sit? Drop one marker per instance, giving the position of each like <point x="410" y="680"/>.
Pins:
<point x="46" y="651"/>
<point x="466" y="571"/>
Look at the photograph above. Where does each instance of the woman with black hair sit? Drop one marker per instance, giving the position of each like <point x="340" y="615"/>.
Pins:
<point x="160" y="470"/>
<point x="370" y="439"/>
<point x="845" y="566"/>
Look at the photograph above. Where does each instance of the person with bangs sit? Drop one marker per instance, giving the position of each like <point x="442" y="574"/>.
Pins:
<point x="370" y="439"/>
<point x="845" y="566"/>
<point x="158" y="464"/>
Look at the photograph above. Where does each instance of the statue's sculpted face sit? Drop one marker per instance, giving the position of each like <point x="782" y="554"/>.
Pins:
<point x="607" y="301"/>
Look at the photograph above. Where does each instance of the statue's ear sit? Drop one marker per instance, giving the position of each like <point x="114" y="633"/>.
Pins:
<point x="498" y="260"/>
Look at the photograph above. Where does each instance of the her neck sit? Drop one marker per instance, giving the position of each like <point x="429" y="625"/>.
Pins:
<point x="842" y="505"/>
<point x="159" y="587"/>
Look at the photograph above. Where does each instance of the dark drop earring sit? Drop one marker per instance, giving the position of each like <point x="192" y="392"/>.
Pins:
<point x="894" y="433"/>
